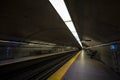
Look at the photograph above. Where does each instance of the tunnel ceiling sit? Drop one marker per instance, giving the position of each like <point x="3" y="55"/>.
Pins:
<point x="24" y="20"/>
<point x="98" y="20"/>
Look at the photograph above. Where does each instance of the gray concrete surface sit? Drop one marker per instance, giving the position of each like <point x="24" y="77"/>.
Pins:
<point x="85" y="68"/>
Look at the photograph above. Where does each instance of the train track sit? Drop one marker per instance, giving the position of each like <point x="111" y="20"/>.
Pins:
<point x="39" y="69"/>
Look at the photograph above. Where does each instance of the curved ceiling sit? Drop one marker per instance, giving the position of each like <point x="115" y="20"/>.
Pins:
<point x="24" y="20"/>
<point x="96" y="19"/>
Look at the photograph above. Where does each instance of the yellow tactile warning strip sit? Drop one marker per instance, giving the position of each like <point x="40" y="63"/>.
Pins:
<point x="58" y="75"/>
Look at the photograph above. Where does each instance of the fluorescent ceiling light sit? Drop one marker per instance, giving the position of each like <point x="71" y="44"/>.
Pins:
<point x="71" y="26"/>
<point x="61" y="8"/>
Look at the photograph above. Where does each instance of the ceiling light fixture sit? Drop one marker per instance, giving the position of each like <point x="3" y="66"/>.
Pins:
<point x="62" y="10"/>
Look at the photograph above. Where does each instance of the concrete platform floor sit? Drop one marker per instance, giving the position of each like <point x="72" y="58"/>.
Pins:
<point x="85" y="68"/>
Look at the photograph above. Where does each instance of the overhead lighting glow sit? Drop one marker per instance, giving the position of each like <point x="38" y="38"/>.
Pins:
<point x="61" y="8"/>
<point x="13" y="42"/>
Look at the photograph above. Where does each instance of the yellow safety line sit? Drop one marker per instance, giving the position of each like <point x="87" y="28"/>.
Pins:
<point x="58" y="75"/>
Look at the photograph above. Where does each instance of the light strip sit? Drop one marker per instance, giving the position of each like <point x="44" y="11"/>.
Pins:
<point x="14" y="42"/>
<point x="62" y="10"/>
<point x="105" y="44"/>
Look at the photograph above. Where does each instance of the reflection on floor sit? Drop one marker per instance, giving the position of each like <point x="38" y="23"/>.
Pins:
<point x="85" y="68"/>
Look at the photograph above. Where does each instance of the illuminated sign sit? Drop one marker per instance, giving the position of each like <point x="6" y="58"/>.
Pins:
<point x="113" y="47"/>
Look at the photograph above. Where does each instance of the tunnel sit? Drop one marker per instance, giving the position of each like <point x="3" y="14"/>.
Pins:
<point x="38" y="43"/>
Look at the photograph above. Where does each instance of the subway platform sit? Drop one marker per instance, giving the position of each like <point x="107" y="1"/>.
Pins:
<point x="82" y="67"/>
